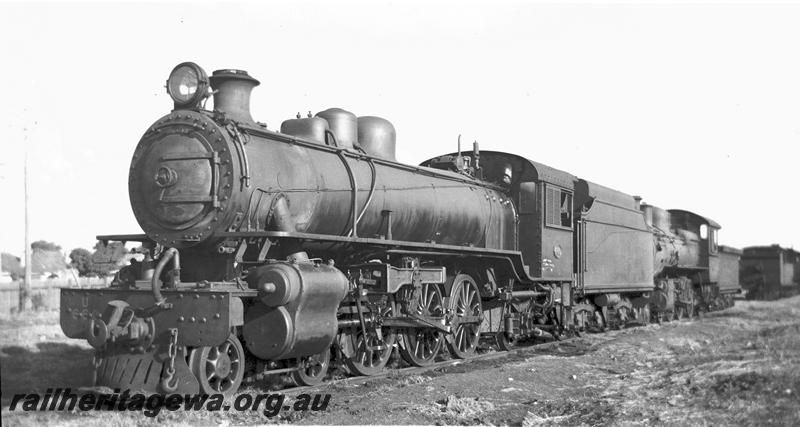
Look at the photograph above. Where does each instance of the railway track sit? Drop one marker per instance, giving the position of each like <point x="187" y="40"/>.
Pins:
<point x="412" y="370"/>
<point x="488" y="355"/>
<point x="262" y="380"/>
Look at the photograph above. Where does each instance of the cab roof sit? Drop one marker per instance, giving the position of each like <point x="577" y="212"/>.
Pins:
<point x="522" y="168"/>
<point x="695" y="217"/>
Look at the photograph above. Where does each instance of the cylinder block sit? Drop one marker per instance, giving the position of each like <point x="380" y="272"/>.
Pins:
<point x="297" y="313"/>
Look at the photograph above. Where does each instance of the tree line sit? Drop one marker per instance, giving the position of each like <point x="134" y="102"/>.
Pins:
<point x="47" y="257"/>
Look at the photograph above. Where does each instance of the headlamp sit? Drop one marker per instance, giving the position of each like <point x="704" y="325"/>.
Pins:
<point x="187" y="85"/>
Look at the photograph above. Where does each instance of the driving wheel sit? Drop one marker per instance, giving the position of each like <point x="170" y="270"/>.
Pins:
<point x="367" y="354"/>
<point x="465" y="303"/>
<point x="421" y="345"/>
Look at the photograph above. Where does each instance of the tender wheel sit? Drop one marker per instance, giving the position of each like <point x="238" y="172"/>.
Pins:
<point x="465" y="302"/>
<point x="421" y="345"/>
<point x="599" y="322"/>
<point x="219" y="369"/>
<point x="693" y="307"/>
<point x="312" y="369"/>
<point x="643" y="314"/>
<point x="580" y="321"/>
<point x="623" y="315"/>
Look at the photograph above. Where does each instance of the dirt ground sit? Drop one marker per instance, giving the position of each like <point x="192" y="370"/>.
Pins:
<point x="736" y="367"/>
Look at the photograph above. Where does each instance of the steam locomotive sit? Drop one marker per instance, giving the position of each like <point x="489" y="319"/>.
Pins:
<point x="285" y="252"/>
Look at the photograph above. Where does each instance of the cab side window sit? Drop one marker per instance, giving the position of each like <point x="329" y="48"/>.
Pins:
<point x="709" y="233"/>
<point x="714" y="247"/>
<point x="558" y="207"/>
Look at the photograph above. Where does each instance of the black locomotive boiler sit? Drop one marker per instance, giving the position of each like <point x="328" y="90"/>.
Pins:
<point x="282" y="252"/>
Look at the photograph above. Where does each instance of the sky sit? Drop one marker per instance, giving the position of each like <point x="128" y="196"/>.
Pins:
<point x="691" y="106"/>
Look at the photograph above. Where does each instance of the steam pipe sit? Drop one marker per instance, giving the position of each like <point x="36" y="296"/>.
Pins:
<point x="330" y="138"/>
<point x="354" y="184"/>
<point x="169" y="254"/>
<point x="369" y="198"/>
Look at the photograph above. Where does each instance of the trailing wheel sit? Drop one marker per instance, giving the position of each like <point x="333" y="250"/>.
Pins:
<point x="505" y="342"/>
<point x="312" y="369"/>
<point x="598" y="322"/>
<point x="421" y="345"/>
<point x="465" y="303"/>
<point x="219" y="369"/>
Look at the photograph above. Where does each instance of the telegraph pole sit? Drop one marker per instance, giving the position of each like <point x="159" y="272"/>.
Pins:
<point x="25" y="286"/>
<point x="1" y="256"/>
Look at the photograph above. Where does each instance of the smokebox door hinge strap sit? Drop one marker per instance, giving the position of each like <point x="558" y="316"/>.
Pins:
<point x="215" y="179"/>
<point x="238" y="142"/>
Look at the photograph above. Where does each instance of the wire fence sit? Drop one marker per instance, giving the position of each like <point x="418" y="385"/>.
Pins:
<point x="45" y="293"/>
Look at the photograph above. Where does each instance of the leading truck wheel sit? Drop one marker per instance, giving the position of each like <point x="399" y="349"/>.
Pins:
<point x="219" y="369"/>
<point x="465" y="303"/>
<point x="312" y="369"/>
<point x="421" y="345"/>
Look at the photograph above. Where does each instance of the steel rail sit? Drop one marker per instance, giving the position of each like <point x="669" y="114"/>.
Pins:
<point x="355" y="380"/>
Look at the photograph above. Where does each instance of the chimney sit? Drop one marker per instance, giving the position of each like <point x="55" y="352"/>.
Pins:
<point x="232" y="93"/>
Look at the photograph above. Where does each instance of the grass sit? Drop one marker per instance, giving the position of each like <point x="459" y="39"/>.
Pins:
<point x="737" y="367"/>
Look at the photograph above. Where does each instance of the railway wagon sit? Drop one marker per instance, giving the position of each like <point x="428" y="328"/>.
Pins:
<point x="770" y="272"/>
